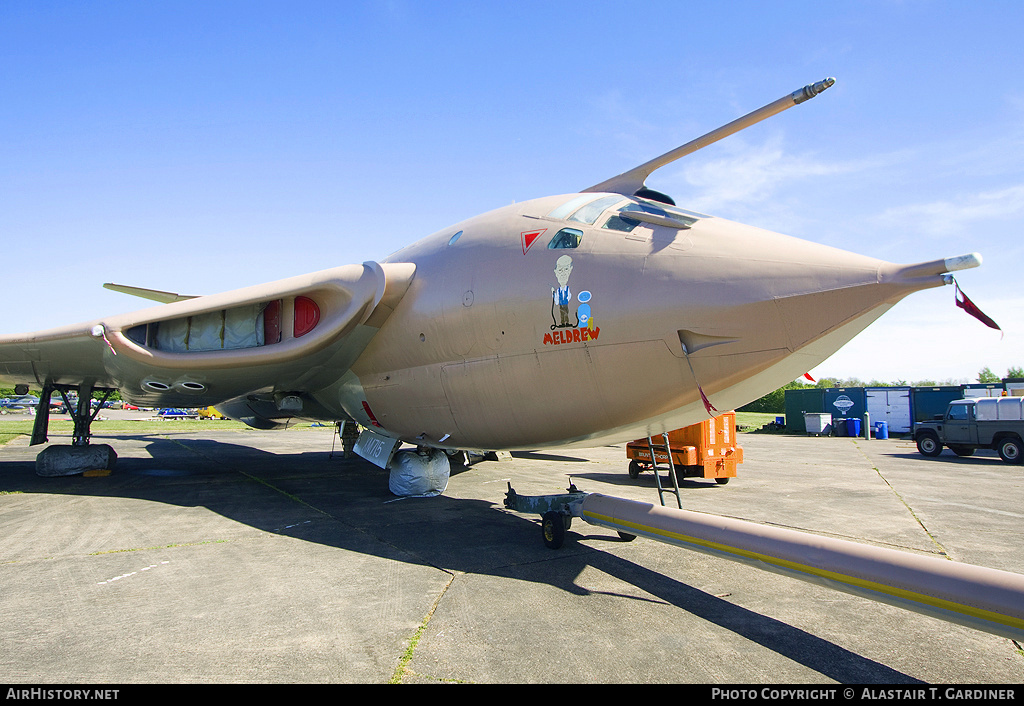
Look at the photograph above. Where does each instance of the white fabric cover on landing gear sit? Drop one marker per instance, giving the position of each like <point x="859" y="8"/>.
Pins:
<point x="419" y="475"/>
<point x="57" y="460"/>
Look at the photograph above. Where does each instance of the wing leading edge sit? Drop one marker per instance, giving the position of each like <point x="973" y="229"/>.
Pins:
<point x="152" y="294"/>
<point x="288" y="335"/>
<point x="630" y="182"/>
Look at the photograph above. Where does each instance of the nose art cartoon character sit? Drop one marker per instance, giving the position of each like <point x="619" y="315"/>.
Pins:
<point x="563" y="295"/>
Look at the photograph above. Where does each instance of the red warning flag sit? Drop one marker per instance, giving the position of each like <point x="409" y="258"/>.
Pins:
<point x="707" y="403"/>
<point x="808" y="376"/>
<point x="971" y="308"/>
<point x="704" y="398"/>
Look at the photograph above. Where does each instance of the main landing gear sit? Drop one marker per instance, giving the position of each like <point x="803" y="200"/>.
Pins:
<point x="81" y="456"/>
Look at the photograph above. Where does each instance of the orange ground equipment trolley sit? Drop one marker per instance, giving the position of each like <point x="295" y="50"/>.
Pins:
<point x="705" y="450"/>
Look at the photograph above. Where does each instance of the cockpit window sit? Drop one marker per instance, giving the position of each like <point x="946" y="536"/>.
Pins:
<point x="619" y="223"/>
<point x="568" y="207"/>
<point x="622" y="222"/>
<point x="591" y="212"/>
<point x="585" y="208"/>
<point x="565" y="239"/>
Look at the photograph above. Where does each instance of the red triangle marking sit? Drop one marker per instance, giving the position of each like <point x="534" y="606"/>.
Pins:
<point x="530" y="237"/>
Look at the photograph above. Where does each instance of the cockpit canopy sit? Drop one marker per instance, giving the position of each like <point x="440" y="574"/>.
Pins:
<point x="619" y="213"/>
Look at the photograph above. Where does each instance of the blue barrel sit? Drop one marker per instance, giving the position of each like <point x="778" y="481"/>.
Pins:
<point x="853" y="426"/>
<point x="881" y="430"/>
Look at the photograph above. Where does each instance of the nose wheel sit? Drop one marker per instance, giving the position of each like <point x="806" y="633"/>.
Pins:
<point x="553" y="526"/>
<point x="556" y="513"/>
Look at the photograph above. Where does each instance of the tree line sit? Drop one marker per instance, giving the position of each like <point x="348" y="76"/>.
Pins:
<point x="775" y="401"/>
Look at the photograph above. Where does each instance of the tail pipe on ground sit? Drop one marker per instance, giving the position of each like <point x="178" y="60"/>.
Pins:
<point x="980" y="598"/>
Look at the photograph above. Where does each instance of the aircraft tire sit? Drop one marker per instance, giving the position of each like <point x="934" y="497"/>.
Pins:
<point x="626" y="536"/>
<point x="552" y="527"/>
<point x="962" y="451"/>
<point x="928" y="444"/>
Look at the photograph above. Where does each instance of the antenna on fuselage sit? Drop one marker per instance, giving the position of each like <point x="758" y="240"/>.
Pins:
<point x="629" y="183"/>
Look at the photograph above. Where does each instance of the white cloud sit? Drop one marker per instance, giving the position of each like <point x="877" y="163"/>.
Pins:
<point x="752" y="174"/>
<point x="766" y="185"/>
<point x="952" y="217"/>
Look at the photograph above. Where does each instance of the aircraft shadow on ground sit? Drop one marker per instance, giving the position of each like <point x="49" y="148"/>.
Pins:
<point x="345" y="503"/>
<point x="540" y="456"/>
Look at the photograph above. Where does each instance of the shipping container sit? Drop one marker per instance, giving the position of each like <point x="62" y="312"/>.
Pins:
<point x="1014" y="386"/>
<point x="983" y="389"/>
<point x="808" y="399"/>
<point x="845" y="403"/>
<point x="890" y="405"/>
<point x="929" y="402"/>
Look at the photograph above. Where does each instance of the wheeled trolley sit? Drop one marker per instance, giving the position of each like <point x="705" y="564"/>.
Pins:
<point x="705" y="450"/>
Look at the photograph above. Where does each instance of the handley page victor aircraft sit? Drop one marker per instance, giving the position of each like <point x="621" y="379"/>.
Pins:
<point x="585" y="318"/>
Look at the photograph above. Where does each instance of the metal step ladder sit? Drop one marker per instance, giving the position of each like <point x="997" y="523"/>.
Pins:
<point x="670" y="466"/>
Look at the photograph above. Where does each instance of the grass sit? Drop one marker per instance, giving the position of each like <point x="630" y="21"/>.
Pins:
<point x="12" y="428"/>
<point x="751" y="421"/>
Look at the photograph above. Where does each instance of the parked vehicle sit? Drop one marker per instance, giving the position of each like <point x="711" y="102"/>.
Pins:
<point x="176" y="413"/>
<point x="995" y="423"/>
<point x="20" y="402"/>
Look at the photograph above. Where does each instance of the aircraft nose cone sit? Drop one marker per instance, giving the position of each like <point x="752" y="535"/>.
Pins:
<point x="757" y="309"/>
<point x="789" y="292"/>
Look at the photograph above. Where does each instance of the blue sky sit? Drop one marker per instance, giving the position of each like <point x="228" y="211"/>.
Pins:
<point x="203" y="146"/>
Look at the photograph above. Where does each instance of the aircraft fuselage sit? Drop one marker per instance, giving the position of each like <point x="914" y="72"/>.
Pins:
<point x="530" y="329"/>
